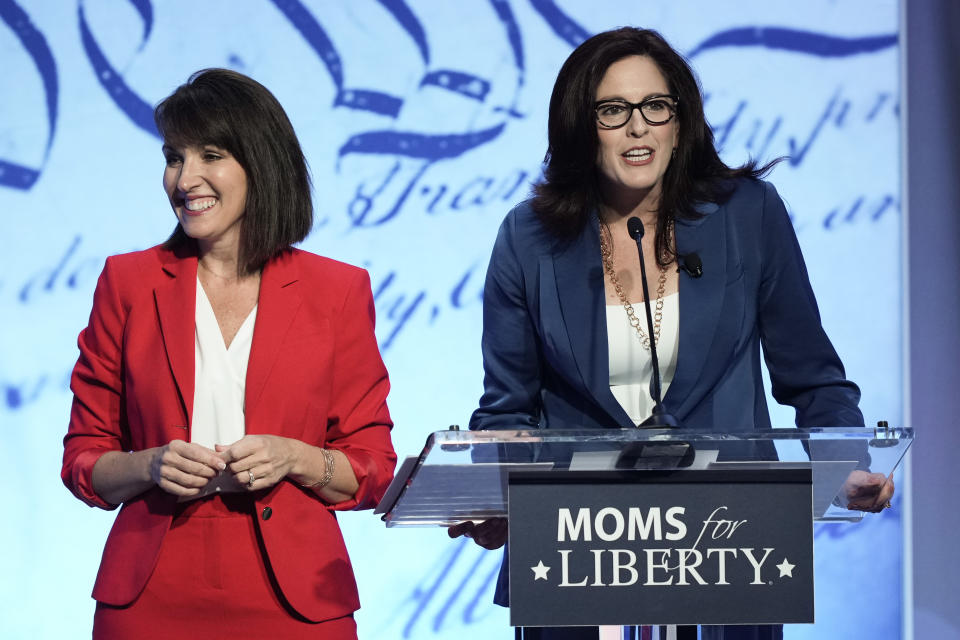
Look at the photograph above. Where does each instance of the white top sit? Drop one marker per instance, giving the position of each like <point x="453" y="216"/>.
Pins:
<point x="631" y="367"/>
<point x="220" y="381"/>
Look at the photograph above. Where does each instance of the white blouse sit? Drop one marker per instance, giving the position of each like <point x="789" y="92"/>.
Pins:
<point x="631" y="367"/>
<point x="220" y="382"/>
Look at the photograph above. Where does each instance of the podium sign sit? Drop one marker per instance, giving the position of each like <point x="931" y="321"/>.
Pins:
<point x="661" y="547"/>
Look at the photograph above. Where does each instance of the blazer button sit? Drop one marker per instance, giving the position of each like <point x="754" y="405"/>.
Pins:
<point x="266" y="513"/>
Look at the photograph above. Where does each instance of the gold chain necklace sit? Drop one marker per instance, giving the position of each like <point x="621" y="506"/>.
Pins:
<point x="211" y="271"/>
<point x="606" y="253"/>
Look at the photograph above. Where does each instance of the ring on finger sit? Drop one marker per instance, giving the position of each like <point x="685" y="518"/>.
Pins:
<point x="252" y="478"/>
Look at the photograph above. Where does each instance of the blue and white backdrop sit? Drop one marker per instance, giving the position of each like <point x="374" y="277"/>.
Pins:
<point x="423" y="122"/>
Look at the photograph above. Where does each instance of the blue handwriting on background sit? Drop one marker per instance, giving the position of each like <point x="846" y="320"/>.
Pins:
<point x="408" y="186"/>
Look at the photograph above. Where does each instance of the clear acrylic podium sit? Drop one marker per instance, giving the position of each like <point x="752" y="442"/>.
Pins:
<point x="462" y="475"/>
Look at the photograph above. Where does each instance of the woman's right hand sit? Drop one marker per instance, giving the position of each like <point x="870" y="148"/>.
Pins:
<point x="184" y="468"/>
<point x="180" y="468"/>
<point x="489" y="534"/>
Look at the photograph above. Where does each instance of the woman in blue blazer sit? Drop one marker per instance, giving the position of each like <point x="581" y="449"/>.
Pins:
<point x="563" y="346"/>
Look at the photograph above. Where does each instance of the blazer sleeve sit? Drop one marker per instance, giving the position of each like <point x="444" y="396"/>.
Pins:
<point x="358" y="422"/>
<point x="510" y="345"/>
<point x="97" y="415"/>
<point x="805" y="370"/>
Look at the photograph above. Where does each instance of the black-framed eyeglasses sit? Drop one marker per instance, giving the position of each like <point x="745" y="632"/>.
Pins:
<point x="655" y="110"/>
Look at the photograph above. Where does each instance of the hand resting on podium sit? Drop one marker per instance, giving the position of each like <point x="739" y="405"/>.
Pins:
<point x="489" y="534"/>
<point x="865" y="491"/>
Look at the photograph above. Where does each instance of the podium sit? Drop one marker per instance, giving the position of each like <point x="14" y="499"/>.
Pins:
<point x="649" y="527"/>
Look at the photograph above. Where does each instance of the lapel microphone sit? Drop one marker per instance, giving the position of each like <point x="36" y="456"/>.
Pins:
<point x="691" y="264"/>
<point x="659" y="417"/>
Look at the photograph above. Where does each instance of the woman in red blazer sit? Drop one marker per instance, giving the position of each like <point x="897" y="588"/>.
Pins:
<point x="229" y="459"/>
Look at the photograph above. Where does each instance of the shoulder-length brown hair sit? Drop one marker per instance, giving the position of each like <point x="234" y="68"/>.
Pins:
<point x="569" y="192"/>
<point x="238" y="114"/>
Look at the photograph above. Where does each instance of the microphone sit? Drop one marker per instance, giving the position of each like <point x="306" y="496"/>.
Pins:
<point x="692" y="264"/>
<point x="659" y="417"/>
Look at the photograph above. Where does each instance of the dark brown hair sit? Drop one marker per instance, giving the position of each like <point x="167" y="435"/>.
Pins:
<point x="228" y="110"/>
<point x="569" y="192"/>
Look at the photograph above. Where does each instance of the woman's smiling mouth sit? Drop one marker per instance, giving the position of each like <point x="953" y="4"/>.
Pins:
<point x="638" y="155"/>
<point x="196" y="206"/>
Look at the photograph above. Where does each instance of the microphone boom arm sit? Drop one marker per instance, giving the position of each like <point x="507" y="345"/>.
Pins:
<point x="659" y="416"/>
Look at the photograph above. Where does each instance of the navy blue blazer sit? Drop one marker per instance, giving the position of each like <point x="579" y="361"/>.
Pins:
<point x="545" y="337"/>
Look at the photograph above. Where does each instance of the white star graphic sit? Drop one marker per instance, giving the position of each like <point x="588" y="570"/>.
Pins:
<point x="786" y="569"/>
<point x="540" y="571"/>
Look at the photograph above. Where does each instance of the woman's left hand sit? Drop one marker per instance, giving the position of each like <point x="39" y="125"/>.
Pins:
<point x="260" y="461"/>
<point x="865" y="491"/>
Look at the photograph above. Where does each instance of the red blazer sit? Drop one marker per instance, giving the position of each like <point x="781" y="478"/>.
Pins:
<point x="314" y="374"/>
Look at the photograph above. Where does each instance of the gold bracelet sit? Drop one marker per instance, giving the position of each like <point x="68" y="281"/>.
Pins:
<point x="329" y="466"/>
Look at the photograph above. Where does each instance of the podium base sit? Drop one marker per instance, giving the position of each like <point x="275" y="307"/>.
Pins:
<point x="662" y="632"/>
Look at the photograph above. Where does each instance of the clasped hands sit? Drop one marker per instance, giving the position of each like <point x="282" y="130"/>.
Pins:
<point x="254" y="462"/>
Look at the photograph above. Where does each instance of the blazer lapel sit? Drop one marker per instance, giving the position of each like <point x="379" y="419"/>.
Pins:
<point x="280" y="298"/>
<point x="701" y="300"/>
<point x="176" y="301"/>
<point x="579" y="282"/>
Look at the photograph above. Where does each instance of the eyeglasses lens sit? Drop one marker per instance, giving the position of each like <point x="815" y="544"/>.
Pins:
<point x="616" y="113"/>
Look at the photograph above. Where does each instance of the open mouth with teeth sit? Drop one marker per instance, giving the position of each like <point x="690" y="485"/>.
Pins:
<point x="638" y="155"/>
<point x="199" y="205"/>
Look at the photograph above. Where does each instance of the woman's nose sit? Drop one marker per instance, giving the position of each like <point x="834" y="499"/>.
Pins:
<point x="636" y="125"/>
<point x="189" y="175"/>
